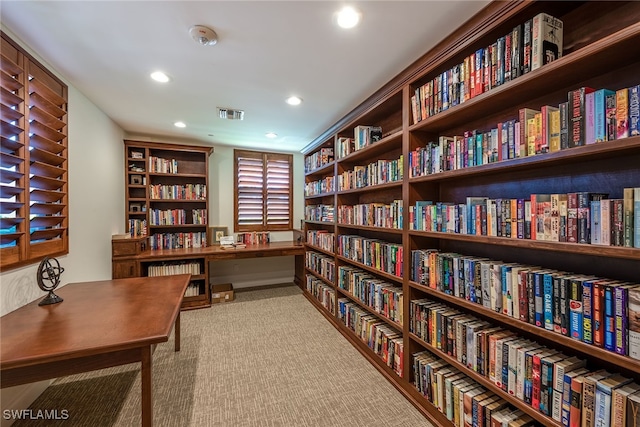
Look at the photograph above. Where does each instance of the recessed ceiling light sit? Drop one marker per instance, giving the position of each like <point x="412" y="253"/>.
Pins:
<point x="159" y="76"/>
<point x="348" y="17"/>
<point x="270" y="135"/>
<point x="294" y="100"/>
<point x="180" y="125"/>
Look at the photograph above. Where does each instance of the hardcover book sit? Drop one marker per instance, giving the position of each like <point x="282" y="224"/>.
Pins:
<point x="634" y="110"/>
<point x="546" y="40"/>
<point x="577" y="116"/>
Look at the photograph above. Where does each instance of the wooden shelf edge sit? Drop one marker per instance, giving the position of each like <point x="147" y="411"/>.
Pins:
<point x="319" y="276"/>
<point x="585" y="349"/>
<point x="575" y="154"/>
<point x="371" y="188"/>
<point x="389" y="276"/>
<point x="360" y="303"/>
<point x="577" y="248"/>
<point x="317" y="249"/>
<point x="365" y="152"/>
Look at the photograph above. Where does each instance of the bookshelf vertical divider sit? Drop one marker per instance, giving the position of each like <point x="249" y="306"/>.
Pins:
<point x="601" y="50"/>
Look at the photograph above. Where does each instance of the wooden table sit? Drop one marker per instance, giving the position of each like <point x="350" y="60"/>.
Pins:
<point x="98" y="325"/>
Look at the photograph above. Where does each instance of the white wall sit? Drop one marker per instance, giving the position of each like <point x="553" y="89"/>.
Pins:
<point x="96" y="211"/>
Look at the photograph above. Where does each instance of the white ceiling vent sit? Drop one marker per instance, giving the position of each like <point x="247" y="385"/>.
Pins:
<point x="229" y="114"/>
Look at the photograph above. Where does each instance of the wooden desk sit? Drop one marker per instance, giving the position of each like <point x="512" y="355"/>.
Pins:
<point x="98" y="325"/>
<point x="128" y="262"/>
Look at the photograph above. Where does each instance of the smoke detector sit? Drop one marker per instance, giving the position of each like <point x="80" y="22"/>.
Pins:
<point x="230" y="114"/>
<point x="203" y="35"/>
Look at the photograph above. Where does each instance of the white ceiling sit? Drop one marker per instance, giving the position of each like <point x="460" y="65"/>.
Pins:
<point x="267" y="51"/>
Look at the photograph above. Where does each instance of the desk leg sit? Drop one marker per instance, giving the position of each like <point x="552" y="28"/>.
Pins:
<point x="177" y="333"/>
<point x="147" y="398"/>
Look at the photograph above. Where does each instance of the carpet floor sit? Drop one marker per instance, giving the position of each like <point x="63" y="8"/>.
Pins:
<point x="269" y="358"/>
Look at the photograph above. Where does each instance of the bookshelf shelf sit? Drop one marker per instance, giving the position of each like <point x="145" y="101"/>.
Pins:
<point x="382" y="317"/>
<point x="317" y="249"/>
<point x="319" y="196"/>
<point x="192" y="162"/>
<point x="601" y="48"/>
<point x="329" y="223"/>
<point x="370" y="269"/>
<point x="574" y="248"/>
<point x="321" y="170"/>
<point x="319" y="276"/>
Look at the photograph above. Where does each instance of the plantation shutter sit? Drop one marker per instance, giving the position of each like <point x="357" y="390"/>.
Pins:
<point x="34" y="164"/>
<point x="250" y="176"/>
<point x="263" y="191"/>
<point x="278" y="191"/>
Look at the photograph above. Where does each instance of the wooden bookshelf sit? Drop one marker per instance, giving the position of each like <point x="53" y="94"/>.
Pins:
<point x="183" y="173"/>
<point x="601" y="49"/>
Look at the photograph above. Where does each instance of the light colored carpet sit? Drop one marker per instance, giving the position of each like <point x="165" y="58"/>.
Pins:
<point x="267" y="359"/>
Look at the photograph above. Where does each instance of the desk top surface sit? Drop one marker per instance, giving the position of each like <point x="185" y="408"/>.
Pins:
<point x="94" y="318"/>
<point x="267" y="249"/>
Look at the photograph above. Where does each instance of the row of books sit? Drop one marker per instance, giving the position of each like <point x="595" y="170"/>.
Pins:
<point x="137" y="227"/>
<point x="177" y="216"/>
<point x="193" y="290"/>
<point x="553" y="383"/>
<point x="321" y="186"/>
<point x="382" y="297"/>
<point x="160" y="165"/>
<point x="364" y="136"/>
<point x="178" y="240"/>
<point x="372" y="214"/>
<point x="379" y="172"/>
<point x="319" y="213"/>
<point x="385" y="341"/>
<point x="576" y="217"/>
<point x="383" y="256"/>
<point x="527" y="47"/>
<point x="322" y="264"/>
<point x="462" y="400"/>
<point x="597" y="311"/>
<point x="178" y="192"/>
<point x="322" y="157"/>
<point x="254" y="237"/>
<point x="322" y="239"/>
<point x="324" y="293"/>
<point x="170" y="269"/>
<point x="588" y="117"/>
<point x="344" y="146"/>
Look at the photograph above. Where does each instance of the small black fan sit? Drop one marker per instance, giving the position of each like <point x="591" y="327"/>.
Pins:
<point x="49" y="272"/>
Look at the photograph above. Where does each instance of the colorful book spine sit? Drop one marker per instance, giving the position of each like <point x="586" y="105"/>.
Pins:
<point x="622" y="113"/>
<point x="634" y="322"/>
<point x="600" y="114"/>
<point x="634" y="110"/>
<point x="577" y="116"/>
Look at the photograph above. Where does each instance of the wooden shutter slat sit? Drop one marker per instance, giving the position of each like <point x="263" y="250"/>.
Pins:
<point x="47" y="234"/>
<point x="46" y="119"/>
<point x="10" y="207"/>
<point x="38" y="141"/>
<point x="9" y="160"/>
<point x="46" y="157"/>
<point x="46" y="208"/>
<point x="9" y="114"/>
<point x="9" y="67"/>
<point x="9" y="99"/>
<point x="6" y="238"/>
<point x="9" y="82"/>
<point x="9" y="130"/>
<point x="46" y="196"/>
<point x="41" y="102"/>
<point x="42" y="130"/>
<point x="10" y="145"/>
<point x="7" y="176"/>
<point x="7" y="222"/>
<point x="46" y="221"/>
<point x="7" y="191"/>
<point x="46" y="171"/>
<point x="44" y="183"/>
<point x="35" y="85"/>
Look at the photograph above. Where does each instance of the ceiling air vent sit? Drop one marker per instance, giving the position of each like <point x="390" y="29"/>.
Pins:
<point x="229" y="114"/>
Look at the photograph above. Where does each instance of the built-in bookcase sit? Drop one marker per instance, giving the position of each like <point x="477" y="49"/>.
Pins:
<point x="166" y="203"/>
<point x="601" y="47"/>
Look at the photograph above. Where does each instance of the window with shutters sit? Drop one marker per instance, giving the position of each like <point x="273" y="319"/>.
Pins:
<point x="33" y="160"/>
<point x="263" y="191"/>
